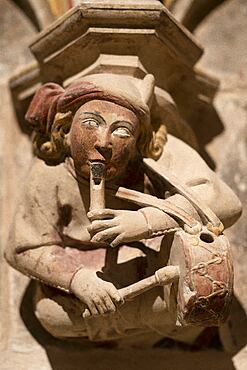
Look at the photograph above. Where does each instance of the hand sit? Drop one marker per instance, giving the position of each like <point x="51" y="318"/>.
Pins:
<point x="100" y="297"/>
<point x="117" y="226"/>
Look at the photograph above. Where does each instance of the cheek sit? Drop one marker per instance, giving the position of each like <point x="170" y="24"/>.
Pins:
<point x="78" y="150"/>
<point x="122" y="153"/>
<point x="124" y="150"/>
<point x="80" y="144"/>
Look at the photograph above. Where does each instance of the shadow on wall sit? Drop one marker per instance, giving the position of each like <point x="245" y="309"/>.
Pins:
<point x="38" y="11"/>
<point x="198" y="10"/>
<point x="82" y="354"/>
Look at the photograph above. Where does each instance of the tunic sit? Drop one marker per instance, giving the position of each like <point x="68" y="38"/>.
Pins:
<point x="49" y="240"/>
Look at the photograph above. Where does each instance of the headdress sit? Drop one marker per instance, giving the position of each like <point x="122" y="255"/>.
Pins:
<point x="51" y="98"/>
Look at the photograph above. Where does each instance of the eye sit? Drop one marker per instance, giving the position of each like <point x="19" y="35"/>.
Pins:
<point x="122" y="132"/>
<point x="90" y="122"/>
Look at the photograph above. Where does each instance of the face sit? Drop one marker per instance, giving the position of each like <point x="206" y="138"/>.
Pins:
<point x="103" y="131"/>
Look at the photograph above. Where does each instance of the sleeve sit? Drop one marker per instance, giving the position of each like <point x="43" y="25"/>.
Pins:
<point x="187" y="165"/>
<point x="35" y="246"/>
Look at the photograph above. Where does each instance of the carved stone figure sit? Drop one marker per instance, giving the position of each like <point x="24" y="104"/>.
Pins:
<point x="121" y="224"/>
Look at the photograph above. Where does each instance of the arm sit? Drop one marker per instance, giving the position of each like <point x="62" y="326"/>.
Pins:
<point x="36" y="248"/>
<point x="186" y="164"/>
<point x="218" y="197"/>
<point x="124" y="226"/>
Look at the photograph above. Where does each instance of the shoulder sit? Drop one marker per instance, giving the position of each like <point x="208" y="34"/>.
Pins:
<point x="186" y="165"/>
<point x="44" y="177"/>
<point x="43" y="183"/>
<point x="184" y="162"/>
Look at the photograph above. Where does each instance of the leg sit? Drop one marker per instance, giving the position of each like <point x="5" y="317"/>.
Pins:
<point x="59" y="313"/>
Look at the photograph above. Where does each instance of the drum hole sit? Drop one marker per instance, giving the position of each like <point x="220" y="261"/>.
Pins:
<point x="207" y="238"/>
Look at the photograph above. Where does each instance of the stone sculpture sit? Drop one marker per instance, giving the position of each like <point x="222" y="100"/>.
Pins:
<point x="121" y="222"/>
<point x="99" y="225"/>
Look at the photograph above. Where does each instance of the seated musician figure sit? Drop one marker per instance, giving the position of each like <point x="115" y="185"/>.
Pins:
<point x="81" y="258"/>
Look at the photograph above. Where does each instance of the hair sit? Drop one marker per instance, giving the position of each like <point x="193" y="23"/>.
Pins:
<point x="53" y="146"/>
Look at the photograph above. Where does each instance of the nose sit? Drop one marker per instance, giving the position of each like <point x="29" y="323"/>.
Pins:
<point x="105" y="152"/>
<point x="104" y="147"/>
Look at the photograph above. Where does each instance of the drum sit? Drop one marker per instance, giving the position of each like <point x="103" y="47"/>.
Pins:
<point x="203" y="293"/>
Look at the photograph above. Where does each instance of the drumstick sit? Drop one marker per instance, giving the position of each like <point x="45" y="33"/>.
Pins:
<point x="165" y="275"/>
<point x="162" y="276"/>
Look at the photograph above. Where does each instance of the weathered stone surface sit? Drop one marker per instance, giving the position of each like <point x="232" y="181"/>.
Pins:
<point x="225" y="57"/>
<point x="224" y="37"/>
<point x="15" y="155"/>
<point x="223" y="34"/>
<point x="179" y="7"/>
<point x="21" y="350"/>
<point x="14" y="51"/>
<point x="240" y="360"/>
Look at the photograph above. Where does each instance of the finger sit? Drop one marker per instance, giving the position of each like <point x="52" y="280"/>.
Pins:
<point x="118" y="240"/>
<point x="92" y="308"/>
<point x="86" y="313"/>
<point x="115" y="295"/>
<point x="97" y="226"/>
<point x="109" y="304"/>
<point x="100" y="305"/>
<point x="101" y="214"/>
<point x="105" y="235"/>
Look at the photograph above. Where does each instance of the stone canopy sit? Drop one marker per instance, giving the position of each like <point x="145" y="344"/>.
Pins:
<point x="124" y="37"/>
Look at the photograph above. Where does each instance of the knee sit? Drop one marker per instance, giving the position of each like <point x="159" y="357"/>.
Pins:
<point x="58" y="320"/>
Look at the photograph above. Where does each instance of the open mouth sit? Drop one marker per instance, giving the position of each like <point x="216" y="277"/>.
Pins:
<point x="96" y="161"/>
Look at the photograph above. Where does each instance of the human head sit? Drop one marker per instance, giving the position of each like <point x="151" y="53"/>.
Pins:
<point x="52" y="110"/>
<point x="103" y="131"/>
